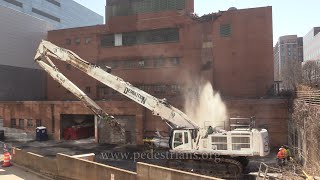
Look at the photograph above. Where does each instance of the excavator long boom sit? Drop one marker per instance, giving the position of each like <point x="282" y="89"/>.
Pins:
<point x="159" y="107"/>
<point x="53" y="71"/>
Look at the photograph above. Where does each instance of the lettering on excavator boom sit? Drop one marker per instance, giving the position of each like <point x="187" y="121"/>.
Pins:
<point x="136" y="95"/>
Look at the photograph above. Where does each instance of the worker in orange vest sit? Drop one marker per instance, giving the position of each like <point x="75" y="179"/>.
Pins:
<point x="282" y="156"/>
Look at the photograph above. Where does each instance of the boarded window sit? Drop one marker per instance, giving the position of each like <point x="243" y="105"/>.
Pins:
<point x="225" y="30"/>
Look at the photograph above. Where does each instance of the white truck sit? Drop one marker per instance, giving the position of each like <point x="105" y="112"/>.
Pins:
<point x="231" y="147"/>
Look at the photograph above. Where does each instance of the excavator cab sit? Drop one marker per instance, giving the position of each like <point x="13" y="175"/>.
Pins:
<point x="181" y="139"/>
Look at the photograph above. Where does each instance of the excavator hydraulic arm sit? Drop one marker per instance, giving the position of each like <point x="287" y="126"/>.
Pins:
<point x="159" y="107"/>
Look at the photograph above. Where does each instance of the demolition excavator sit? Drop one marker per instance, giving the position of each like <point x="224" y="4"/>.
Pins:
<point x="211" y="151"/>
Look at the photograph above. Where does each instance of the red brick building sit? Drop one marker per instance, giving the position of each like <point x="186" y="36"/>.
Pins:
<point x="164" y="49"/>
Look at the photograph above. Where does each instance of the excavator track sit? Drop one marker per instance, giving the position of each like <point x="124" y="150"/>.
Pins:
<point x="222" y="167"/>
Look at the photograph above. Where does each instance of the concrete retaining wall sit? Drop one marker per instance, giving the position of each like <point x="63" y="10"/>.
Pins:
<point x="35" y="162"/>
<point x="72" y="168"/>
<point x="80" y="169"/>
<point x="153" y="172"/>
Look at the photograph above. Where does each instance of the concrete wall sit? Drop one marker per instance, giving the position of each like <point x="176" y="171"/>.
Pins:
<point x="68" y="167"/>
<point x="35" y="162"/>
<point x="22" y="84"/>
<point x="80" y="169"/>
<point x="153" y="172"/>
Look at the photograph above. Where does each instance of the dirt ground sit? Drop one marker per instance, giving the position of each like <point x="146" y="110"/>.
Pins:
<point x="124" y="157"/>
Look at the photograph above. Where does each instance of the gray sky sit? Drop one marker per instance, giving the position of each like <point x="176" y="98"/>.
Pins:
<point x="289" y="16"/>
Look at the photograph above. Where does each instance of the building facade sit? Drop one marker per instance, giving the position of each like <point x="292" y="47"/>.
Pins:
<point x="164" y="49"/>
<point x="23" y="24"/>
<point x="20" y="35"/>
<point x="59" y="13"/>
<point x="312" y="45"/>
<point x="288" y="53"/>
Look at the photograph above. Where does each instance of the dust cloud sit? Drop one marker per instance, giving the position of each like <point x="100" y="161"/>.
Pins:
<point x="205" y="107"/>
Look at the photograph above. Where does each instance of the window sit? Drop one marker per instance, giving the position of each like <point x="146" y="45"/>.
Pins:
<point x="30" y="123"/>
<point x="225" y="30"/>
<point x="13" y="123"/>
<point x="44" y="14"/>
<point x="145" y="63"/>
<point x="68" y="66"/>
<point x="88" y="40"/>
<point x="177" y="139"/>
<point x="175" y="61"/>
<point x="129" y="64"/>
<point x="159" y="89"/>
<point x="77" y="41"/>
<point x="129" y="39"/>
<point x="68" y="41"/>
<point x="107" y="40"/>
<point x="240" y="142"/>
<point x="175" y="88"/>
<point x="158" y="62"/>
<point x="88" y="89"/>
<point x="54" y="2"/>
<point x="151" y="36"/>
<point x="219" y="143"/>
<point x="38" y="123"/>
<point x="14" y="2"/>
<point x="186" y="140"/>
<point x="142" y="63"/>
<point x="21" y="123"/>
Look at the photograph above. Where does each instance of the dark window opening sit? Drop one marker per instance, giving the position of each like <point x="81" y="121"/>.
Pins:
<point x="13" y="123"/>
<point x="88" y="89"/>
<point x="88" y="40"/>
<point x="14" y="2"/>
<point x="38" y="123"/>
<point x="225" y="30"/>
<point x="54" y="2"/>
<point x="30" y="123"/>
<point x="21" y="123"/>
<point x="68" y="66"/>
<point x="129" y="64"/>
<point x="44" y="14"/>
<point x="159" y="62"/>
<point x="175" y="61"/>
<point x="77" y="41"/>
<point x="107" y="40"/>
<point x="68" y="41"/>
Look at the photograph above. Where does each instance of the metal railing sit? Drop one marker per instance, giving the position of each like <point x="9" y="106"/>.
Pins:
<point x="264" y="169"/>
<point x="310" y="97"/>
